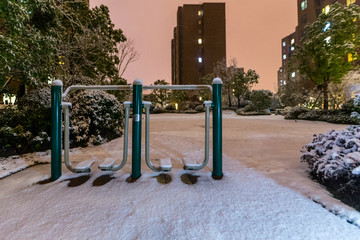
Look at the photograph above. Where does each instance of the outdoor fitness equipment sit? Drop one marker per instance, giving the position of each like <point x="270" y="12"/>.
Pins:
<point x="56" y="109"/>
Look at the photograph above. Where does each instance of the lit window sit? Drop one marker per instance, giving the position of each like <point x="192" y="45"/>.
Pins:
<point x="284" y="44"/>
<point x="292" y="41"/>
<point x="200" y="13"/>
<point x="200" y="41"/>
<point x="348" y="2"/>
<point x="284" y="56"/>
<point x="280" y="70"/>
<point x="327" y="40"/>
<point x="351" y="57"/>
<point x="327" y="26"/>
<point x="199" y="22"/>
<point x="200" y="59"/>
<point x="293" y="74"/>
<point x="303" y="5"/>
<point x="284" y="82"/>
<point x="292" y="48"/>
<point x="326" y="9"/>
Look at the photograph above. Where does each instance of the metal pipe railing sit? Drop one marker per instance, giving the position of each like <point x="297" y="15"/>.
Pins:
<point x="126" y="136"/>
<point x="197" y="167"/>
<point x="178" y="87"/>
<point x="66" y="106"/>
<point x="96" y="87"/>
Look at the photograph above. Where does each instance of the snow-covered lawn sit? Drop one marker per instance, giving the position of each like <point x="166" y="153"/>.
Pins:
<point x="265" y="192"/>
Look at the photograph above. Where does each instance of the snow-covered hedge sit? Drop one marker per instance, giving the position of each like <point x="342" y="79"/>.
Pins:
<point x="334" y="160"/>
<point x="96" y="117"/>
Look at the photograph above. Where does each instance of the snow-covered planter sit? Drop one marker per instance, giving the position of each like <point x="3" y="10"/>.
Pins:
<point x="334" y="160"/>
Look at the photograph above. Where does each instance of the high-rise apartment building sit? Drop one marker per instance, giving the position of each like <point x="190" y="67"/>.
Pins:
<point x="199" y="41"/>
<point x="307" y="12"/>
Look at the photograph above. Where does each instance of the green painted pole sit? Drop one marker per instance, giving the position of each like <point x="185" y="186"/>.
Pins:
<point x="56" y="95"/>
<point x="217" y="129"/>
<point x="136" y="130"/>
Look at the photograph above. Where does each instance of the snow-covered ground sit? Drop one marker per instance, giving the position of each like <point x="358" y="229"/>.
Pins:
<point x="265" y="192"/>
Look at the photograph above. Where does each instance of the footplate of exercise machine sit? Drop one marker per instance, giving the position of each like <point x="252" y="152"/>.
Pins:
<point x="84" y="166"/>
<point x="189" y="164"/>
<point x="107" y="164"/>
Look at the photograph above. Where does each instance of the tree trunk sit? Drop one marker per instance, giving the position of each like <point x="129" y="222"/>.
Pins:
<point x="326" y="98"/>
<point x="229" y="96"/>
<point x="239" y="102"/>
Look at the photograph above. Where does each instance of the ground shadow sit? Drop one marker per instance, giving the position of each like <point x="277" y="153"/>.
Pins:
<point x="45" y="181"/>
<point x="74" y="182"/>
<point x="102" y="180"/>
<point x="189" y="179"/>
<point x="163" y="178"/>
<point x="130" y="179"/>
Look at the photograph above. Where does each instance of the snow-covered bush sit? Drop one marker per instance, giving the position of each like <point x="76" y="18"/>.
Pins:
<point x="334" y="160"/>
<point x="95" y="117"/>
<point x="335" y="154"/>
<point x="294" y="112"/>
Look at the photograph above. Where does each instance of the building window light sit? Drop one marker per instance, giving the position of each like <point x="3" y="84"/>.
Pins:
<point x="326" y="9"/>
<point x="280" y="70"/>
<point x="327" y="26"/>
<point x="284" y="56"/>
<point x="284" y="82"/>
<point x="200" y="59"/>
<point x="293" y="74"/>
<point x="200" y="13"/>
<point x="303" y="5"/>
<point x="199" y="22"/>
<point x="292" y="48"/>
<point x="284" y="44"/>
<point x="348" y="2"/>
<point x="351" y="57"/>
<point x="327" y="40"/>
<point x="292" y="41"/>
<point x="200" y="41"/>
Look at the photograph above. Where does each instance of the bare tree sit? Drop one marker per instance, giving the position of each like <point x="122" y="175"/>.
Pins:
<point x="226" y="74"/>
<point x="127" y="54"/>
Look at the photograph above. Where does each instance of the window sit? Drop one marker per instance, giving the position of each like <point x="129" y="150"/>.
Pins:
<point x="284" y="44"/>
<point x="303" y="5"/>
<point x="199" y="22"/>
<point x="293" y="74"/>
<point x="327" y="26"/>
<point x="292" y="48"/>
<point x="281" y="70"/>
<point x="200" y="41"/>
<point x="304" y="19"/>
<point x="348" y="2"/>
<point x="284" y="56"/>
<point x="351" y="57"/>
<point x="327" y="40"/>
<point x="326" y="9"/>
<point x="200" y="59"/>
<point x="284" y="82"/>
<point x="200" y="13"/>
<point x="292" y="41"/>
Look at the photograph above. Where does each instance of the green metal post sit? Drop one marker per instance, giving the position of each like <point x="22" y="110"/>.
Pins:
<point x="217" y="129"/>
<point x="56" y="95"/>
<point x="136" y="129"/>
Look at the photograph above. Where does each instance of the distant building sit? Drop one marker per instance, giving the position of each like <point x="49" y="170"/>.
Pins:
<point x="307" y="12"/>
<point x="199" y="41"/>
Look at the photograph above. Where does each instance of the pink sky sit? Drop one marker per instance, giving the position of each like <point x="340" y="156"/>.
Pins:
<point x="254" y="30"/>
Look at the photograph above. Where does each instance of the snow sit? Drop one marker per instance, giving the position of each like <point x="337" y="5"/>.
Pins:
<point x="265" y="192"/>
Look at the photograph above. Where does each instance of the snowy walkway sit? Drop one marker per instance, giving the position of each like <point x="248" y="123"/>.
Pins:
<point x="255" y="199"/>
